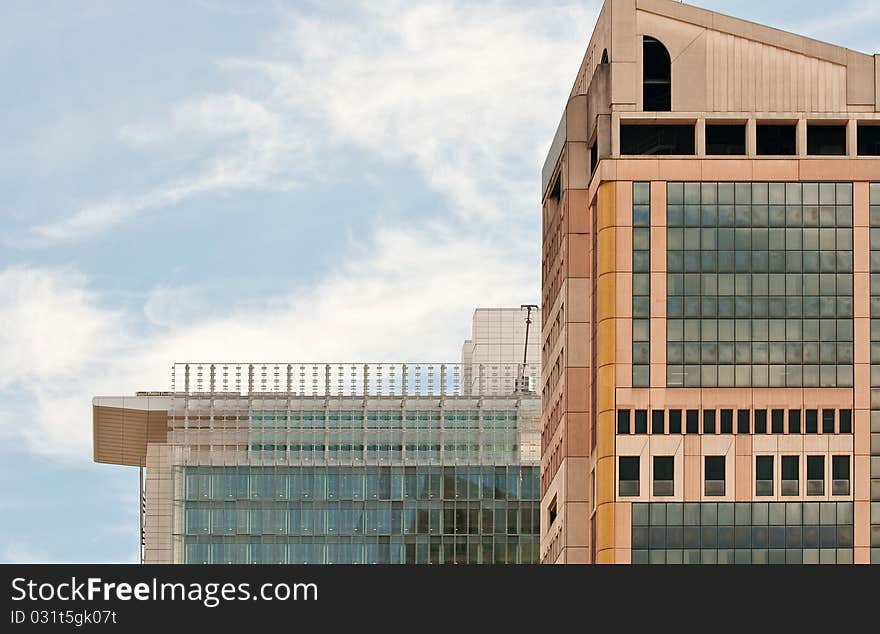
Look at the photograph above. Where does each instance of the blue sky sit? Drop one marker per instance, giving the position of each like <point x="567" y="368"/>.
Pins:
<point x="235" y="180"/>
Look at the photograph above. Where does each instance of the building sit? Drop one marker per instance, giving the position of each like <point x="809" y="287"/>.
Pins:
<point x="498" y="337"/>
<point x="711" y="290"/>
<point x="334" y="463"/>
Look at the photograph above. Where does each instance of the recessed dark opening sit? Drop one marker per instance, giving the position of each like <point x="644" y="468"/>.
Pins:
<point x="725" y="139"/>
<point x="776" y="139"/>
<point x="656" y="76"/>
<point x="715" y="467"/>
<point x="605" y="56"/>
<point x="664" y="467"/>
<point x="629" y="468"/>
<point x="826" y="140"/>
<point x="869" y="140"/>
<point x="594" y="156"/>
<point x="764" y="468"/>
<point x="657" y="139"/>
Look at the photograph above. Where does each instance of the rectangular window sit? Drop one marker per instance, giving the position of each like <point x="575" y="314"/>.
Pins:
<point x="715" y="475"/>
<point x="709" y="421"/>
<point x="815" y="475"/>
<point x="551" y="512"/>
<point x="693" y="421"/>
<point x="794" y="421"/>
<point x="760" y="421"/>
<point x="776" y="139"/>
<point x="658" y="421"/>
<point x="840" y="475"/>
<point x="764" y="475"/>
<point x="869" y="140"/>
<point x="743" y="421"/>
<point x="826" y="140"/>
<point x="623" y="421"/>
<point x="671" y="139"/>
<point x="812" y="421"/>
<point x="827" y="421"/>
<point x="664" y="468"/>
<point x="629" y="476"/>
<point x="727" y="421"/>
<point x="594" y="157"/>
<point x="845" y="421"/>
<point x="641" y="421"/>
<point x="790" y="475"/>
<point x="776" y="421"/>
<point x="725" y="138"/>
<point x="675" y="421"/>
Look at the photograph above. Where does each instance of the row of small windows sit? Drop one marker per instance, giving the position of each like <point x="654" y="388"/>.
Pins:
<point x="729" y="139"/>
<point x="382" y="483"/>
<point x="449" y="419"/>
<point x="351" y="518"/>
<point x="364" y="550"/>
<point x="663" y="471"/>
<point x="742" y="532"/>
<point x="759" y="421"/>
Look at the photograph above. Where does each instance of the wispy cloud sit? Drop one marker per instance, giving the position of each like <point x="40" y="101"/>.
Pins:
<point x="243" y="147"/>
<point x="467" y="94"/>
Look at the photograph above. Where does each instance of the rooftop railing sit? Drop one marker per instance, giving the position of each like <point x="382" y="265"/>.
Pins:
<point x="354" y="379"/>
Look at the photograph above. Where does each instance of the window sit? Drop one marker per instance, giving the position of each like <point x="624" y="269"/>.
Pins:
<point x="727" y="421"/>
<point x="629" y="476"/>
<point x="743" y="421"/>
<point x="656" y="76"/>
<point x="868" y="140"/>
<point x="815" y="475"/>
<point x="839" y="475"/>
<point x="845" y="421"/>
<point x="776" y="139"/>
<point x="669" y="139"/>
<point x="709" y="421"/>
<point x="790" y="477"/>
<point x="812" y="421"/>
<point x="641" y="421"/>
<point x="826" y="140"/>
<point x="764" y="475"/>
<point x="827" y="421"/>
<point x="675" y="421"/>
<point x="692" y="421"/>
<point x="594" y="156"/>
<point x="776" y="418"/>
<point x="715" y="475"/>
<point x="658" y="421"/>
<point x="726" y="139"/>
<point x="794" y="421"/>
<point x="664" y="468"/>
<point x="760" y="421"/>
<point x="623" y="421"/>
<point x="604" y="56"/>
<point x="551" y="512"/>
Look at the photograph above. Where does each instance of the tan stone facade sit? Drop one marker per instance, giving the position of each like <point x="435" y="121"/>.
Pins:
<point x="723" y="70"/>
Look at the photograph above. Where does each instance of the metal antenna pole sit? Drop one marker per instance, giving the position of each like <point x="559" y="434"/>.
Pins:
<point x="522" y="376"/>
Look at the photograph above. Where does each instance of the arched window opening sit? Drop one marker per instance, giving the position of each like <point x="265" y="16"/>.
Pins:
<point x="656" y="76"/>
<point x="605" y="56"/>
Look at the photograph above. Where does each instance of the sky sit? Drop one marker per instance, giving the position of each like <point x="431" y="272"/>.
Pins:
<point x="229" y="180"/>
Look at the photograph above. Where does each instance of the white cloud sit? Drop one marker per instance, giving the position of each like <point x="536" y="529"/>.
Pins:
<point x="406" y="295"/>
<point x="243" y="149"/>
<point x="468" y="94"/>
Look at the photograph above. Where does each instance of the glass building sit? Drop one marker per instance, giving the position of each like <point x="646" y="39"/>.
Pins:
<point x="337" y="463"/>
